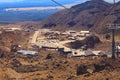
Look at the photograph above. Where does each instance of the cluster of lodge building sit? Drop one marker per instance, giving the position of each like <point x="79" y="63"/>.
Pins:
<point x="74" y="35"/>
<point x="48" y="44"/>
<point x="52" y="37"/>
<point x="76" y="53"/>
<point x="69" y="53"/>
<point x="70" y="34"/>
<point x="82" y="52"/>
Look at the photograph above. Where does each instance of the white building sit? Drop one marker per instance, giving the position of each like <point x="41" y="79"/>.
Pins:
<point x="27" y="52"/>
<point x="86" y="53"/>
<point x="84" y="33"/>
<point x="117" y="48"/>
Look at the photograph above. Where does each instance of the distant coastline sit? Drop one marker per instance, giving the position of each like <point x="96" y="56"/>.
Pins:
<point x="20" y="12"/>
<point x="33" y="8"/>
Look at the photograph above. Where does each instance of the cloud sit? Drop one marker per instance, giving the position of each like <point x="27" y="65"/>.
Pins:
<point x="111" y="1"/>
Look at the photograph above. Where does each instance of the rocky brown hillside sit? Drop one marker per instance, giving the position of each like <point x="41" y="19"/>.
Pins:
<point x="7" y="39"/>
<point x="56" y="67"/>
<point x="93" y="15"/>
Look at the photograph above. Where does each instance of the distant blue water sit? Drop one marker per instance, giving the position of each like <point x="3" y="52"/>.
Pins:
<point x="19" y="16"/>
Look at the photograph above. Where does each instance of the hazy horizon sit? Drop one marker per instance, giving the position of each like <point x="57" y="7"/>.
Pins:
<point x="33" y="14"/>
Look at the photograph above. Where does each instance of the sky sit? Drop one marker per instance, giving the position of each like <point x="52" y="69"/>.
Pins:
<point x="8" y="1"/>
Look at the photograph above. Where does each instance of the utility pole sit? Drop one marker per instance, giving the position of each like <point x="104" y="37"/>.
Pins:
<point x="113" y="39"/>
<point x="113" y="43"/>
<point x="113" y="27"/>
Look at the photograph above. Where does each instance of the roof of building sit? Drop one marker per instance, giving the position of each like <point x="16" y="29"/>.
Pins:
<point x="26" y="52"/>
<point x="84" y="31"/>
